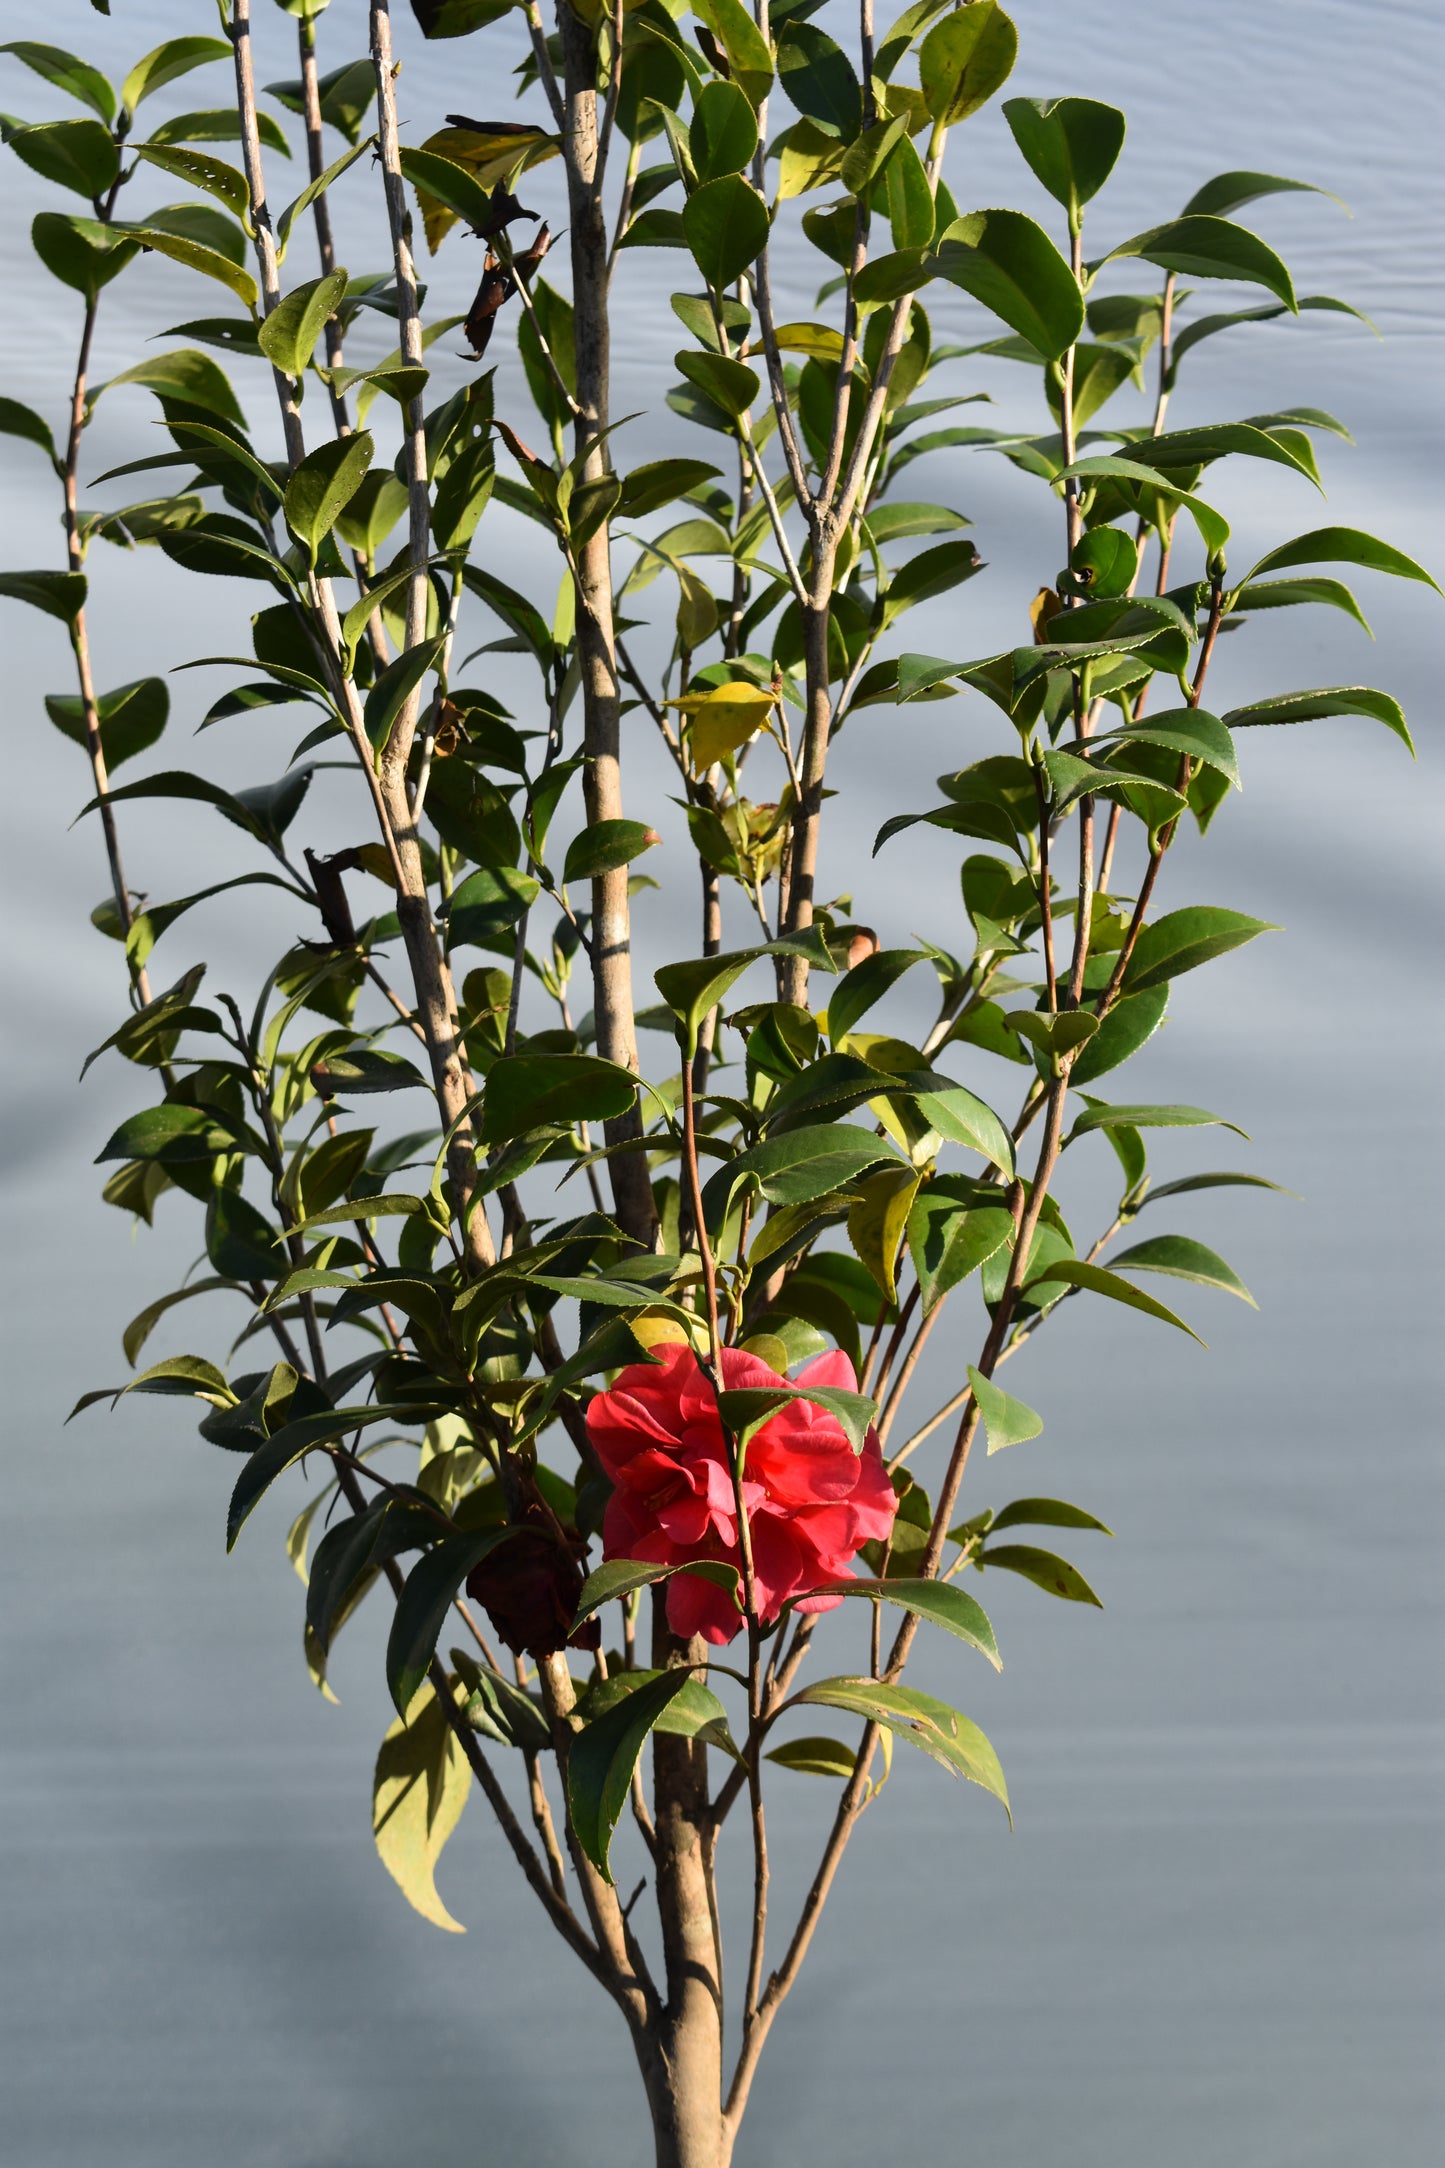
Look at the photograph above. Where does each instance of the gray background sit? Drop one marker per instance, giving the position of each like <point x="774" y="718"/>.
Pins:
<point x="1214" y="1937"/>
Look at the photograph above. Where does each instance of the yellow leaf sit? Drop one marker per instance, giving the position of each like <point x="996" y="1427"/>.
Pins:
<point x="722" y="719"/>
<point x="492" y="155"/>
<point x="877" y="1219"/>
<point x="422" y="1781"/>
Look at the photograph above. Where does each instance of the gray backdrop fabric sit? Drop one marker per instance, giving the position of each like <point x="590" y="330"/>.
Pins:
<point x="1213" y="1940"/>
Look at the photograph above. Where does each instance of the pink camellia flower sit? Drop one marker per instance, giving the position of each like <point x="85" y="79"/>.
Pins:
<point x="811" y="1500"/>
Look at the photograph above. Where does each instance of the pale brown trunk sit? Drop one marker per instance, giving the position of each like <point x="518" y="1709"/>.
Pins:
<point x="596" y="641"/>
<point x="803" y="850"/>
<point x="682" y="2060"/>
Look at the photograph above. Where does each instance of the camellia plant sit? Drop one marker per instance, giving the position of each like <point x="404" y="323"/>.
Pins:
<point x="594" y="1367"/>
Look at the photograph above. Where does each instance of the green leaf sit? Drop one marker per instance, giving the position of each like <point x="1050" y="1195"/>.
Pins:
<point x="289" y="334"/>
<point x="537" y="1091"/>
<point x="362" y="1071"/>
<point x="75" y="154"/>
<point x="724" y="132"/>
<point x="731" y="385"/>
<point x="865" y="985"/>
<point x="1229" y="192"/>
<point x="1182" y="940"/>
<point x="725" y="224"/>
<point x="1212" y="1181"/>
<point x="747" y="1408"/>
<point x="287" y="1445"/>
<point x="1183" y="730"/>
<point x="456" y="18"/>
<point x="1054" y="1575"/>
<point x="602" y="1759"/>
<point x="177" y="56"/>
<point x="214" y="176"/>
<point x="604" y="847"/>
<point x="1184" y="1259"/>
<point x="186" y="374"/>
<point x="1006" y="1420"/>
<point x="75" y="77"/>
<point x="619" y="1577"/>
<point x="1053" y="1035"/>
<point x="174" y="1135"/>
<point x="1045" y="1513"/>
<point x="140" y="1328"/>
<point x="81" y="252"/>
<point x="420" y="1788"/>
<point x="309" y="194"/>
<point x="422" y="1607"/>
<point x="819" y="79"/>
<point x="265" y="812"/>
<point x="1212" y="525"/>
<point x="660" y="481"/>
<point x="1077" y="1272"/>
<point x="924" y="1722"/>
<point x="1326" y="701"/>
<point x="931" y="572"/>
<point x="796" y="1166"/>
<point x="198" y="257"/>
<point x="1071" y="144"/>
<point x="815" y="1757"/>
<point x="963" y="1118"/>
<point x="954" y="1227"/>
<point x="346" y="96"/>
<point x="322" y="485"/>
<point x="220" y="125"/>
<point x="1128" y="1025"/>
<point x="22" y="421"/>
<point x="1210" y="248"/>
<point x="58" y="594"/>
<point x="964" y="59"/>
<point x="397" y="682"/>
<point x="1009" y="263"/>
<point x="748" y="54"/>
<point x="936" y="1601"/>
<point x="1099" y="1115"/>
<point x="1343" y="546"/>
<point x="694" y="988"/>
<point x="1286" y="594"/>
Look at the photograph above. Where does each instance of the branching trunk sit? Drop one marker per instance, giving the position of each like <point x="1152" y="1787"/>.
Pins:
<point x="596" y="640"/>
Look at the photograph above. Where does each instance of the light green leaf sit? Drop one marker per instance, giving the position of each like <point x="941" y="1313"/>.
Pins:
<point x="226" y="182"/>
<point x="197" y="257"/>
<point x="964" y="59"/>
<point x="314" y="189"/>
<point x="1054" y="1575"/>
<point x="1006" y="1420"/>
<point x="289" y="334"/>
<point x="924" y="1722"/>
<point x="418" y="1793"/>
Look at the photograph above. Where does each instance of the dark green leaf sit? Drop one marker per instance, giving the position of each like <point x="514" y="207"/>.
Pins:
<point x="1009" y="263"/>
<point x="289" y="334"/>
<point x="603" y="1757"/>
<point x="1071" y="144"/>
<point x="1229" y="192"/>
<point x="81" y="252"/>
<point x="604" y="847"/>
<point x="1210" y="248"/>
<point x="945" y="1606"/>
<point x="660" y="481"/>
<point x="619" y="1577"/>
<point x="423" y="1604"/>
<point x="76" y="154"/>
<point x="320" y="488"/>
<point x="1182" y="940"/>
<point x="535" y="1091"/>
<point x="953" y="1227"/>
<point x="819" y="78"/>
<point x="59" y="594"/>
<point x="725" y="224"/>
<point x="1128" y="1025"/>
<point x="866" y="984"/>
<point x="397" y="684"/>
<point x="1343" y="546"/>
<point x="75" y="77"/>
<point x="1045" y="1513"/>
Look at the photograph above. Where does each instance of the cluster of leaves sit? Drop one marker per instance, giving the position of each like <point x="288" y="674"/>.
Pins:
<point x="837" y="1182"/>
